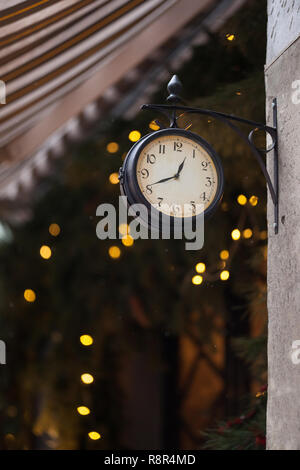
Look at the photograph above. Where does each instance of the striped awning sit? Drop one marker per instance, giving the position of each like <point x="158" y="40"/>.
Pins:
<point x="62" y="62"/>
<point x="49" y="48"/>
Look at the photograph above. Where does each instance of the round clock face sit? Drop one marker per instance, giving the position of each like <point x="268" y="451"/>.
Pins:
<point x="178" y="174"/>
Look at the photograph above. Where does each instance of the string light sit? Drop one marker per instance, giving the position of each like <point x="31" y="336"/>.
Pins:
<point x="200" y="267"/>
<point x="134" y="136"/>
<point x="114" y="252"/>
<point x="197" y="280"/>
<point x="54" y="230"/>
<point x="230" y="37"/>
<point x="86" y="340"/>
<point x="154" y="126"/>
<point x="45" y="252"/>
<point x="29" y="295"/>
<point x="114" y="178"/>
<point x="87" y="378"/>
<point x="224" y="254"/>
<point x="253" y="200"/>
<point x="242" y="200"/>
<point x="112" y="147"/>
<point x="235" y="234"/>
<point x="247" y="233"/>
<point x="127" y="240"/>
<point x="94" y="435"/>
<point x="83" y="410"/>
<point x="224" y="275"/>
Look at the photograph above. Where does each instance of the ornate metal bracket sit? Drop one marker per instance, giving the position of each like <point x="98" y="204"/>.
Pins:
<point x="171" y="110"/>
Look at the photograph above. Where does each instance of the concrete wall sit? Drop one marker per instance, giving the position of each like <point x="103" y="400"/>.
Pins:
<point x="283" y="82"/>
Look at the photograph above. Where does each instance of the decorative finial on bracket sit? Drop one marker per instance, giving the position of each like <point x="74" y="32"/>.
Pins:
<point x="174" y="88"/>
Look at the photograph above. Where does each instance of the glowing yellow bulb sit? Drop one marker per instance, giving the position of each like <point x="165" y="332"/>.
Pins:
<point x="247" y="233"/>
<point x="87" y="378"/>
<point x="86" y="340"/>
<point x="253" y="200"/>
<point x="127" y="240"/>
<point x="224" y="254"/>
<point x="45" y="252"/>
<point x="83" y="410"/>
<point x="112" y="147"/>
<point x="242" y="200"/>
<point x="197" y="280"/>
<point x="134" y="136"/>
<point x="114" y="252"/>
<point x="94" y="435"/>
<point x="200" y="267"/>
<point x="230" y="37"/>
<point x="29" y="295"/>
<point x="224" y="275"/>
<point x="124" y="229"/>
<point x="54" y="230"/>
<point x="154" y="126"/>
<point x="235" y="234"/>
<point x="114" y="178"/>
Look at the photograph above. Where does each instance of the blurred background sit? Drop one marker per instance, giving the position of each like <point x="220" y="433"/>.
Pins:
<point x="127" y="344"/>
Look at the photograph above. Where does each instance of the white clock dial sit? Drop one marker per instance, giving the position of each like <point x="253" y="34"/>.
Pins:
<point x="177" y="175"/>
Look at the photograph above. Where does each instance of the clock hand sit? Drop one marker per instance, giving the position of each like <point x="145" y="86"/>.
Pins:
<point x="171" y="177"/>
<point x="162" y="181"/>
<point x="180" y="169"/>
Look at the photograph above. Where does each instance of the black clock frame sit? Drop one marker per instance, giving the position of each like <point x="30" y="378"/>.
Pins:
<point x="129" y="183"/>
<point x="171" y="112"/>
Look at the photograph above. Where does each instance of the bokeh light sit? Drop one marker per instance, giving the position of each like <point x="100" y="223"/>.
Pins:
<point x="235" y="234"/>
<point x="87" y="378"/>
<point x="114" y="252"/>
<point x="263" y="235"/>
<point x="29" y="295"/>
<point x="154" y="126"/>
<point x="242" y="200"/>
<point x="200" y="267"/>
<point x="45" y="252"/>
<point x="124" y="229"/>
<point x="114" y="178"/>
<point x="112" y="147"/>
<point x="127" y="240"/>
<point x="94" y="435"/>
<point x="134" y="136"/>
<point x="247" y="233"/>
<point x="54" y="229"/>
<point x="230" y="37"/>
<point x="197" y="280"/>
<point x="83" y="410"/>
<point x="224" y="254"/>
<point x="224" y="275"/>
<point x="86" y="340"/>
<point x="253" y="200"/>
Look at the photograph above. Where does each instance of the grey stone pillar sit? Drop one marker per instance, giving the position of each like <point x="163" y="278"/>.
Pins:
<point x="283" y="82"/>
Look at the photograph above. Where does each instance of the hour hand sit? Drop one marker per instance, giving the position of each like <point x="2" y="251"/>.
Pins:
<point x="180" y="168"/>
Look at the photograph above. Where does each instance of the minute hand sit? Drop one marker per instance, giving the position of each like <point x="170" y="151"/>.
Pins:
<point x="163" y="180"/>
